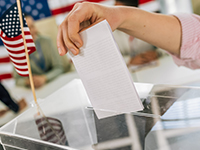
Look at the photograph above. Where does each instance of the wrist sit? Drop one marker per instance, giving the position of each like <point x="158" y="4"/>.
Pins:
<point x="128" y="18"/>
<point x="44" y="78"/>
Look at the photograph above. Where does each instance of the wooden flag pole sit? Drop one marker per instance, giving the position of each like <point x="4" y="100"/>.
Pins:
<point x="30" y="73"/>
<point x="26" y="52"/>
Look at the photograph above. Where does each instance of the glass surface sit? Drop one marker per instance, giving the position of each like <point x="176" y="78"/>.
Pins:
<point x="169" y="121"/>
<point x="175" y="6"/>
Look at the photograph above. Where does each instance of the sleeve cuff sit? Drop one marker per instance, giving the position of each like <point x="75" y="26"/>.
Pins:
<point x="190" y="25"/>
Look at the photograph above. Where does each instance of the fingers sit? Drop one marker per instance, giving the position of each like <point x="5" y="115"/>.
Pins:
<point x="39" y="80"/>
<point x="138" y="60"/>
<point x="68" y="37"/>
<point x="62" y="49"/>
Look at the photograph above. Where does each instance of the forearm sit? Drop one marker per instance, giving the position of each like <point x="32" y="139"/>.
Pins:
<point x="157" y="29"/>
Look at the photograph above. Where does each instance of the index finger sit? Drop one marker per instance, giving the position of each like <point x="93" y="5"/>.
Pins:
<point x="81" y="14"/>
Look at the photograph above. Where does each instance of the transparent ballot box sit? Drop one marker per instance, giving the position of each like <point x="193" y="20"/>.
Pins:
<point x="170" y="121"/>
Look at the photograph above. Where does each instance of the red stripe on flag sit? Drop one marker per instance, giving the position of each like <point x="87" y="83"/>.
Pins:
<point x="21" y="69"/>
<point x="15" y="38"/>
<point x="20" y="64"/>
<point x="31" y="49"/>
<point x="69" y="7"/>
<point x="16" y="52"/>
<point x="23" y="75"/>
<point x="5" y="76"/>
<point x="5" y="60"/>
<point x="20" y="44"/>
<point x="18" y="58"/>
<point x="144" y="1"/>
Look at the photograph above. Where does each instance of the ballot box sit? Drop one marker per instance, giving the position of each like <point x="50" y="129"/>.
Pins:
<point x="170" y="120"/>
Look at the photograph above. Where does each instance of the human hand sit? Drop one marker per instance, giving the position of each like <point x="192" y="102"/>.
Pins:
<point x="150" y="55"/>
<point x="82" y="16"/>
<point x="137" y="60"/>
<point x="38" y="81"/>
<point x="144" y="58"/>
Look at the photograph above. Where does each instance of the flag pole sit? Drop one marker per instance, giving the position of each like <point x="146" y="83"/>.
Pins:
<point x="26" y="52"/>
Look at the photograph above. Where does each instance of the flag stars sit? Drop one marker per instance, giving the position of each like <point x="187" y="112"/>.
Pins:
<point x="10" y="23"/>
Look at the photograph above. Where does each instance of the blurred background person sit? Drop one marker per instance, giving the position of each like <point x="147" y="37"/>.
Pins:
<point x="10" y="102"/>
<point x="46" y="64"/>
<point x="140" y="52"/>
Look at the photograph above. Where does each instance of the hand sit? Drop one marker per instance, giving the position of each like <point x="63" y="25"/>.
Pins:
<point x="38" y="81"/>
<point x="82" y="16"/>
<point x="137" y="60"/>
<point x="144" y="58"/>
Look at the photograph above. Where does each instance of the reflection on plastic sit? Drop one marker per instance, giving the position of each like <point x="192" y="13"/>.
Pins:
<point x="51" y="130"/>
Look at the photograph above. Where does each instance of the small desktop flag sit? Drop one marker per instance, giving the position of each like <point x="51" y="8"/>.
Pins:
<point x="11" y="35"/>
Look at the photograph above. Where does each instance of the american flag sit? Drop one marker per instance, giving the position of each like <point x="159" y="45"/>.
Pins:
<point x="39" y="9"/>
<point x="51" y="130"/>
<point x="60" y="8"/>
<point x="11" y="35"/>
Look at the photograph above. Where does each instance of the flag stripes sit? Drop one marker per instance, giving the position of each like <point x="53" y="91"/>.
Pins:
<point x="16" y="50"/>
<point x="51" y="130"/>
<point x="67" y="8"/>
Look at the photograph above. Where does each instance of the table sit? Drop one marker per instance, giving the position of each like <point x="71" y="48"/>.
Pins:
<point x="167" y="72"/>
<point x="43" y="92"/>
<point x="170" y="120"/>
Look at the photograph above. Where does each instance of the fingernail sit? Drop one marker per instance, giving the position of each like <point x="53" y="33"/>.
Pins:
<point x="60" y="51"/>
<point x="73" y="51"/>
<point x="77" y="44"/>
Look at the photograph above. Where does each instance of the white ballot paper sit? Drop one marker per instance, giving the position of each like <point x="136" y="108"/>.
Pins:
<point x="104" y="73"/>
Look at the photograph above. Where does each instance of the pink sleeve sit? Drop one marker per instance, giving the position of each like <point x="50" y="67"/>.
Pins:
<point x="190" y="46"/>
